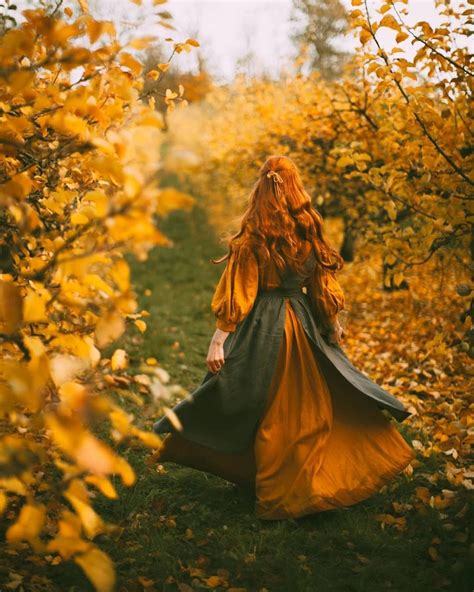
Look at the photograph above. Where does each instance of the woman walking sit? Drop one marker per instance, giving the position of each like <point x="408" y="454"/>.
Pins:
<point x="282" y="409"/>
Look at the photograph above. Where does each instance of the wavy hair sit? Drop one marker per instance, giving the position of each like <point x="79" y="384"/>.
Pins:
<point x="279" y="217"/>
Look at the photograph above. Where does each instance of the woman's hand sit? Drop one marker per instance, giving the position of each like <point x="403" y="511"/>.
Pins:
<point x="336" y="333"/>
<point x="215" y="355"/>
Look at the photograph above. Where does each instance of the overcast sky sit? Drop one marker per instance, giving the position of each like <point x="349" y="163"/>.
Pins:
<point x="228" y="30"/>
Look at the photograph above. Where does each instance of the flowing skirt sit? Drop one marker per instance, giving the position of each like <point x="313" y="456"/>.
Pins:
<point x="320" y="444"/>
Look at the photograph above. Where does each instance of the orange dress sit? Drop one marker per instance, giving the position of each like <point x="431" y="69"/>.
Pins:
<point x="318" y="446"/>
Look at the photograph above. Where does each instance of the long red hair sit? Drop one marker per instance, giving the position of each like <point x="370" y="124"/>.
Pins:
<point x="279" y="217"/>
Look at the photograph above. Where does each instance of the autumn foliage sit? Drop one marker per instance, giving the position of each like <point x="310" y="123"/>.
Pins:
<point x="79" y="156"/>
<point x="387" y="148"/>
<point x="386" y="153"/>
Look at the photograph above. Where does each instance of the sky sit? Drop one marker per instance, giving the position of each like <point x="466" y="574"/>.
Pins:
<point x="230" y="30"/>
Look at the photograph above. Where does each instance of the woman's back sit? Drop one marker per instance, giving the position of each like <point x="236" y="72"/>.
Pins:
<point x="245" y="275"/>
<point x="281" y="404"/>
<point x="270" y="277"/>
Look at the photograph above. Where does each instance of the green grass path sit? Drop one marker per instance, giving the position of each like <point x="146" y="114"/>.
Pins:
<point x="186" y="530"/>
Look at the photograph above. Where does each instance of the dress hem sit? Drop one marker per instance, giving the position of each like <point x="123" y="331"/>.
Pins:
<point x="383" y="479"/>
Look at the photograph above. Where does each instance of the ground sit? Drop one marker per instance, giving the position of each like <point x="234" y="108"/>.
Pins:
<point x="180" y="529"/>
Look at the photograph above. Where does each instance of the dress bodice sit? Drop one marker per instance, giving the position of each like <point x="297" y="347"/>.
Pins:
<point x="270" y="277"/>
<point x="244" y="277"/>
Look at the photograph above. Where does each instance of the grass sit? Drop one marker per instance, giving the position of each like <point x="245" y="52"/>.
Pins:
<point x="340" y="550"/>
<point x="187" y="530"/>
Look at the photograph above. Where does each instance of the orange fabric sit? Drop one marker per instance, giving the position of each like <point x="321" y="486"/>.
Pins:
<point x="314" y="450"/>
<point x="238" y="468"/>
<point x="238" y="285"/>
<point x="236" y="289"/>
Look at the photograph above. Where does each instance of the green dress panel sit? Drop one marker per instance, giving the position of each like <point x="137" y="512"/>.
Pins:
<point x="224" y="411"/>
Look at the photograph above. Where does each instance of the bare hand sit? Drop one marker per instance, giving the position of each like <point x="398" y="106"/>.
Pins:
<point x="215" y="355"/>
<point x="336" y="333"/>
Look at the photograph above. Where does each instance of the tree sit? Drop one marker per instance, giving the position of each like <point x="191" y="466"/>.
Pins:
<point x="79" y="188"/>
<point x="322" y="25"/>
<point x="385" y="148"/>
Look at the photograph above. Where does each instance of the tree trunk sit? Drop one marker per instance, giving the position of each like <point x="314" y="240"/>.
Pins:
<point x="347" y="248"/>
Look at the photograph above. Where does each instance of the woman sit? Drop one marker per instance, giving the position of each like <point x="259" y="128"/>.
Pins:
<point x="281" y="408"/>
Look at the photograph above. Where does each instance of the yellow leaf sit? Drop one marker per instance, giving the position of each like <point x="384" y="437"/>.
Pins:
<point x="398" y="278"/>
<point x="94" y="29"/>
<point x="66" y="367"/>
<point x="125" y="471"/>
<point x="364" y="36"/>
<point x="35" y="304"/>
<point x="131" y="186"/>
<point x="68" y="541"/>
<point x="344" y="161"/>
<point x="11" y="307"/>
<point x="389" y="21"/>
<point x="121" y="274"/>
<point x="401" y="36"/>
<point x="35" y="345"/>
<point x="215" y="581"/>
<point x="141" y="325"/>
<point x="14" y="485"/>
<point x="192" y="42"/>
<point x="109" y="328"/>
<point x="74" y="124"/>
<point x="391" y="209"/>
<point x="174" y="419"/>
<point x="142" y="42"/>
<point x="79" y="219"/>
<point x="423" y="494"/>
<point x="78" y="496"/>
<point x="130" y="62"/>
<point x="99" y="201"/>
<point x="19" y="80"/>
<point x="170" y="94"/>
<point x="153" y="74"/>
<point x="93" y="280"/>
<point x="119" y="360"/>
<point x="150" y="439"/>
<point x="98" y="568"/>
<point x="86" y="450"/>
<point x="28" y="525"/>
<point x="103" y="485"/>
<point x="20" y="185"/>
<point x="3" y="502"/>
<point x="74" y="344"/>
<point x="84" y="6"/>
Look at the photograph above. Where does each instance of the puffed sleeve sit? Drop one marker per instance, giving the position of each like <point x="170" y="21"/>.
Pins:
<point x="326" y="296"/>
<point x="237" y="289"/>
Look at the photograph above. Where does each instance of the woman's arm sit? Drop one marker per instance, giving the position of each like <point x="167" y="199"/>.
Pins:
<point x="232" y="301"/>
<point x="215" y="355"/>
<point x="327" y="299"/>
<point x="336" y="333"/>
